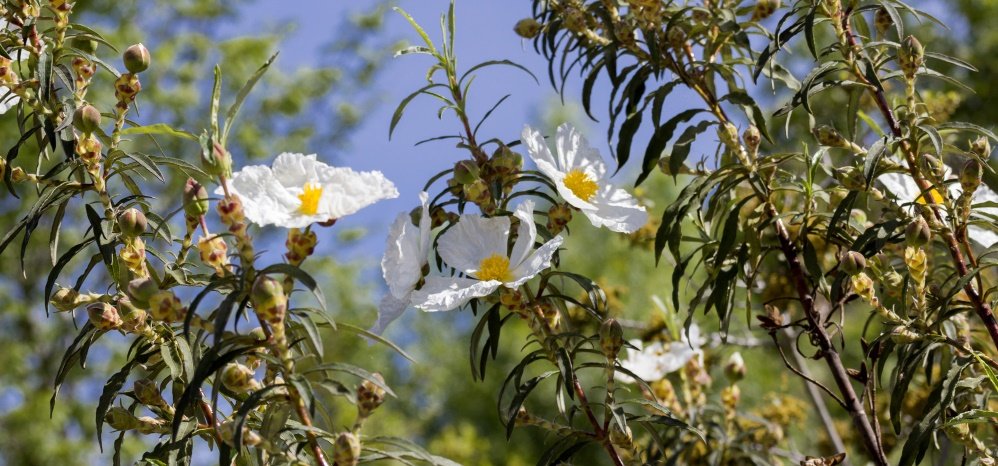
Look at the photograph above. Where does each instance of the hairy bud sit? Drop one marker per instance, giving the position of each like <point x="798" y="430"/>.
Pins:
<point x="558" y="217"/>
<point x="166" y="306"/>
<point x="852" y="262"/>
<point x="120" y="419"/>
<point x="911" y="56"/>
<point x="505" y="162"/>
<point x="133" y="319"/>
<point x="611" y="338"/>
<point x="65" y="299"/>
<point x="195" y="198"/>
<point x="147" y="392"/>
<point x="346" y="450"/>
<point x="728" y="134"/>
<point x="751" y="137"/>
<point x="882" y="20"/>
<point x="828" y="136"/>
<point x="734" y="370"/>
<point x="466" y="171"/>
<point x="528" y="28"/>
<point x="971" y="175"/>
<point x="981" y="147"/>
<point x="764" y="9"/>
<point x="84" y="44"/>
<point x="478" y="192"/>
<point x="87" y="119"/>
<point x="239" y="378"/>
<point x="370" y="396"/>
<point x="136" y="58"/>
<point x="132" y="223"/>
<point x="917" y="233"/>
<point x="104" y="316"/>
<point x="269" y="299"/>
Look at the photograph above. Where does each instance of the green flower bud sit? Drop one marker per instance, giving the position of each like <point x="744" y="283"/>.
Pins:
<point x="505" y="162"/>
<point x="828" y="136"/>
<point x="149" y="425"/>
<point x="438" y="217"/>
<point x="851" y="178"/>
<point x="239" y="378"/>
<point x="478" y="192"/>
<point x="147" y="392"/>
<point x="258" y="334"/>
<point x="728" y="134"/>
<point x="511" y="298"/>
<point x="65" y="299"/>
<point x="466" y="171"/>
<point x="970" y="176"/>
<point x="132" y="223"/>
<point x="752" y="137"/>
<point x="852" y="263"/>
<point x="216" y="161"/>
<point x="133" y="319"/>
<point x="734" y="370"/>
<point x="370" y="396"/>
<point x="136" y="58"/>
<point x="902" y="335"/>
<point x="269" y="300"/>
<point x="623" y="439"/>
<point x="346" y="450"/>
<point x="917" y="233"/>
<point x="528" y="28"/>
<point x="611" y="338"/>
<point x="165" y="306"/>
<point x="141" y="290"/>
<point x="104" y="316"/>
<point x="87" y="119"/>
<point x="911" y="56"/>
<point x="764" y="9"/>
<point x="195" y="199"/>
<point x="84" y="44"/>
<point x="120" y="419"/>
<point x="882" y="20"/>
<point x="981" y="147"/>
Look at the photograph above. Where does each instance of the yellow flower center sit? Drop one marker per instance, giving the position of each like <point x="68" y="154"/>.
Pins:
<point x="582" y="185"/>
<point x="310" y="198"/>
<point x="494" y="267"/>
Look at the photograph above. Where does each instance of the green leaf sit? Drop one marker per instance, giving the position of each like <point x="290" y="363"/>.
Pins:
<point x="230" y="116"/>
<point x="420" y="31"/>
<point x="159" y="128"/>
<point x="397" y="116"/>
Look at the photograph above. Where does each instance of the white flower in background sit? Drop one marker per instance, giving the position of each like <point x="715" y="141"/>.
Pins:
<point x="582" y="180"/>
<point x="477" y="247"/>
<point x="406" y="252"/>
<point x="655" y="361"/>
<point x="903" y="186"/>
<point x="8" y="99"/>
<point x="297" y="191"/>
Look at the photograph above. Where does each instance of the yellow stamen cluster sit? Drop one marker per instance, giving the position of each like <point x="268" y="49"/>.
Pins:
<point x="494" y="267"/>
<point x="310" y="199"/>
<point x="582" y="185"/>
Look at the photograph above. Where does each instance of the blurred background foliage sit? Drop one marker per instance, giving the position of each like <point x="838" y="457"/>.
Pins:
<point x="440" y="406"/>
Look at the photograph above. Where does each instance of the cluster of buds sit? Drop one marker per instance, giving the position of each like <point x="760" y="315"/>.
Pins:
<point x="61" y="10"/>
<point x="728" y="134"/>
<point x="83" y="68"/>
<point x="239" y="378"/>
<point x="370" y="396"/>
<point x="127" y="86"/>
<point x="87" y="120"/>
<point x="230" y="209"/>
<point x="558" y="217"/>
<point x="103" y="316"/>
<point x="479" y="180"/>
<point x="132" y="224"/>
<point x="214" y="253"/>
<point x="918" y="268"/>
<point x="911" y="56"/>
<point x="300" y="244"/>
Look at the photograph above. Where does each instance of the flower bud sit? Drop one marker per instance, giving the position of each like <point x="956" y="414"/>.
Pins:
<point x="166" y="306"/>
<point x="217" y="161"/>
<point x="103" y="316"/>
<point x="611" y="338"/>
<point x="132" y="223"/>
<point x="239" y="378"/>
<point x="195" y="198"/>
<point x="250" y="438"/>
<point x="84" y="44"/>
<point x="902" y="335"/>
<point x="149" y="425"/>
<point x="87" y="119"/>
<point x="133" y="319"/>
<point x="623" y="439"/>
<point x="478" y="192"/>
<point x="147" y="392"/>
<point x="911" y="55"/>
<point x="882" y="20"/>
<point x="734" y="370"/>
<point x="558" y="217"/>
<point x="466" y="171"/>
<point x="851" y="178"/>
<point x="828" y="136"/>
<point x="141" y="290"/>
<point x="527" y="28"/>
<point x="214" y="253"/>
<point x="751" y="137"/>
<point x="346" y="450"/>
<point x="852" y="263"/>
<point x="370" y="396"/>
<point x="120" y="419"/>
<point x="728" y="134"/>
<point x="970" y="176"/>
<point x="981" y="147"/>
<point x="917" y="233"/>
<point x="438" y="216"/>
<point x="136" y="58"/>
<point x="505" y="162"/>
<point x="65" y="299"/>
<point x="764" y="9"/>
<point x="269" y="299"/>
<point x="511" y="298"/>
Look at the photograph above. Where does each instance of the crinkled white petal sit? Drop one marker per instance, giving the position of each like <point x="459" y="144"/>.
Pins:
<point x="535" y="263"/>
<point x="274" y="191"/>
<point x="642" y="362"/>
<point x="657" y="360"/>
<point x="473" y="238"/>
<point x="389" y="309"/>
<point x="446" y="293"/>
<point x="8" y="100"/>
<point x="984" y="236"/>
<point x="406" y="251"/>
<point x="616" y="210"/>
<point x="526" y="232"/>
<point x="574" y="153"/>
<point x="536" y="146"/>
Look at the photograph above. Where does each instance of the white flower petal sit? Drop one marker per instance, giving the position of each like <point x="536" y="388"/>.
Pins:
<point x="265" y="201"/>
<point x="446" y="293"/>
<point x="473" y="238"/>
<point x="389" y="309"/>
<point x="981" y="235"/>
<point x="8" y="100"/>
<point x="535" y="263"/>
<point x="537" y="147"/>
<point x="617" y="210"/>
<point x="574" y="152"/>
<point x="526" y="233"/>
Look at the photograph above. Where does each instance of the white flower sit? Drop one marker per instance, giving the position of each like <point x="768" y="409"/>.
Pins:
<point x="655" y="361"/>
<point x="582" y="180"/>
<point x="903" y="186"/>
<point x="298" y="191"/>
<point x="402" y="265"/>
<point x="8" y="99"/>
<point x="477" y="247"/>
